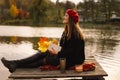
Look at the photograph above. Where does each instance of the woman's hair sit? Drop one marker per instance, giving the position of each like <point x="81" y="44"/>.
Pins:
<point x="73" y="29"/>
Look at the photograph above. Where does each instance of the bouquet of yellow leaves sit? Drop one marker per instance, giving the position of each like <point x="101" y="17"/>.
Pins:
<point x="45" y="42"/>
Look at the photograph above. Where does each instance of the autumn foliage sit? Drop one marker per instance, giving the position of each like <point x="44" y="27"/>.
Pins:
<point x="13" y="11"/>
<point x="22" y="13"/>
<point x="44" y="43"/>
<point x="18" y="13"/>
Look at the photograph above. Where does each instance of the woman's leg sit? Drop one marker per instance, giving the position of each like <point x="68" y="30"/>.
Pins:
<point x="34" y="64"/>
<point x="34" y="59"/>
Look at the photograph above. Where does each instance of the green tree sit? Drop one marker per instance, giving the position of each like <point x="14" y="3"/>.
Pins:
<point x="7" y="4"/>
<point x="59" y="11"/>
<point x="69" y="5"/>
<point x="85" y="10"/>
<point x="115" y="7"/>
<point x="92" y="9"/>
<point x="38" y="11"/>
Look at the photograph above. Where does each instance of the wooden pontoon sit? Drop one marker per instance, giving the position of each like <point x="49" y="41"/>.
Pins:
<point x="37" y="74"/>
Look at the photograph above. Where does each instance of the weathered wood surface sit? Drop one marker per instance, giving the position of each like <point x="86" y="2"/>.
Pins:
<point x="36" y="73"/>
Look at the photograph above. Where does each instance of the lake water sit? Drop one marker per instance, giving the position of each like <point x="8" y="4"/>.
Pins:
<point x="20" y="42"/>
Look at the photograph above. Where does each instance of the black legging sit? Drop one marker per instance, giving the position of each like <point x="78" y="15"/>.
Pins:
<point x="37" y="60"/>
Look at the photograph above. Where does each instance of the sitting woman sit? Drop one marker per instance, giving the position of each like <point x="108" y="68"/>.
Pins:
<point x="72" y="43"/>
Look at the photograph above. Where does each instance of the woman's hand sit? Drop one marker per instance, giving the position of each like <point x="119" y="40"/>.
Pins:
<point x="52" y="51"/>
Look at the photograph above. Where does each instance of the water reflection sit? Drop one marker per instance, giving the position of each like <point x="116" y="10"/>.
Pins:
<point x="103" y="44"/>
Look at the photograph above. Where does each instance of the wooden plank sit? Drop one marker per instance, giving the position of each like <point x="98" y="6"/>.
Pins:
<point x="36" y="73"/>
<point x="9" y="79"/>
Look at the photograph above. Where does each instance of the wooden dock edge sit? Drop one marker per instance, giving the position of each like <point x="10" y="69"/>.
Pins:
<point x="37" y="74"/>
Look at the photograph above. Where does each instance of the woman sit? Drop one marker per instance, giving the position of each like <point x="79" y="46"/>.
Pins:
<point x="72" y="43"/>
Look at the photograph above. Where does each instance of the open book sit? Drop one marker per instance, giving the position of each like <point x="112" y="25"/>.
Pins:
<point x="57" y="48"/>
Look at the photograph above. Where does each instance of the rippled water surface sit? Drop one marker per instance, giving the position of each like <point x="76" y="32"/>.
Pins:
<point x="20" y="42"/>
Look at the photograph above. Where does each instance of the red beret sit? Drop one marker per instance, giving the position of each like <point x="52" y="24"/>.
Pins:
<point x="73" y="14"/>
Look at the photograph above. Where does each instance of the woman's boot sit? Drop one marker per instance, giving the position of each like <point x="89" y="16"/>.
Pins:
<point x="11" y="65"/>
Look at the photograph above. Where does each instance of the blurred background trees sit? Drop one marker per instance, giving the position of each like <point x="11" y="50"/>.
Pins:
<point x="37" y="12"/>
<point x="101" y="10"/>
